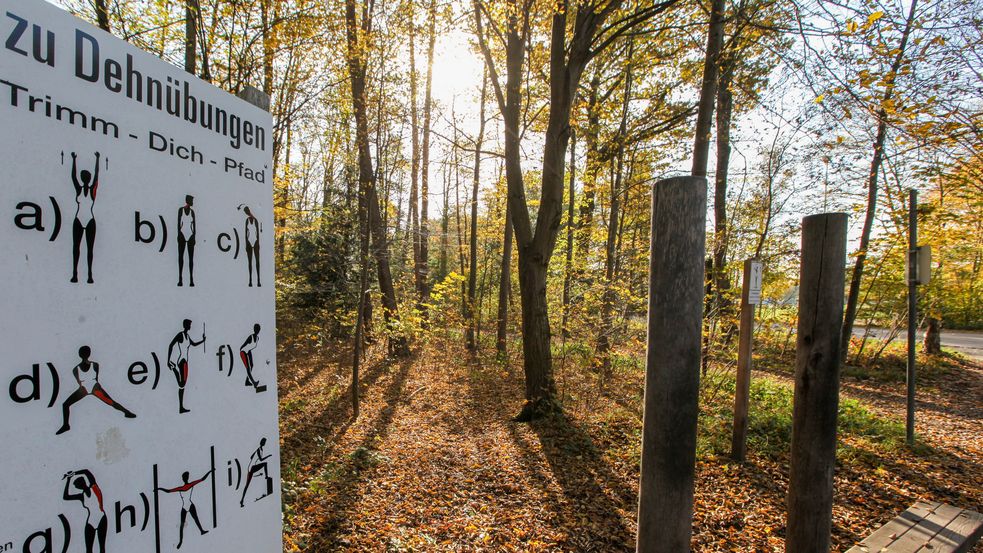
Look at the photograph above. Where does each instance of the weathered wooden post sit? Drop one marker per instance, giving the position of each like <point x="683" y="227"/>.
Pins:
<point x="750" y="296"/>
<point x="912" y="278"/>
<point x="817" y="383"/>
<point x="672" y="372"/>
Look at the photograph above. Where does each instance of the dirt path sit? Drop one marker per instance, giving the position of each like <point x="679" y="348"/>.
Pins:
<point x="434" y="464"/>
<point x="438" y="465"/>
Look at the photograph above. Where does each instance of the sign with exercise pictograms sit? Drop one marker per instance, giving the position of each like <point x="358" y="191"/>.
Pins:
<point x="138" y="402"/>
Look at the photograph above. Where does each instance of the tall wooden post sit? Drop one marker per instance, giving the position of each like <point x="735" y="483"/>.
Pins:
<point x="912" y="278"/>
<point x="817" y="383"/>
<point x="672" y="372"/>
<point x="738" y="445"/>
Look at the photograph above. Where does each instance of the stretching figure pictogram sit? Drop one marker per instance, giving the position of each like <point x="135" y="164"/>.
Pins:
<point x="87" y="375"/>
<point x="186" y="230"/>
<point x="182" y="344"/>
<point x="252" y="245"/>
<point x="86" y="185"/>
<point x="89" y="494"/>
<point x="246" y="354"/>
<point x="257" y="464"/>
<point x="186" y="493"/>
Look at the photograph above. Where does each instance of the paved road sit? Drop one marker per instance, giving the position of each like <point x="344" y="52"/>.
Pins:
<point x="967" y="342"/>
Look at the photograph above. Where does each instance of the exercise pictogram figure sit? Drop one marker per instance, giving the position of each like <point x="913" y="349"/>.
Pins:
<point x="86" y="185"/>
<point x="252" y="244"/>
<point x="182" y="344"/>
<point x="246" y="354"/>
<point x="187" y="228"/>
<point x="87" y="375"/>
<point x="257" y="464"/>
<point x="186" y="492"/>
<point x="88" y="493"/>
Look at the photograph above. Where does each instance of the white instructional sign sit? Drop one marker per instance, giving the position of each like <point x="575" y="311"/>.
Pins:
<point x="754" y="283"/>
<point x="138" y="400"/>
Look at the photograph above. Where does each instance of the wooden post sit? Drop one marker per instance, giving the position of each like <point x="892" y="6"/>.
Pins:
<point x="738" y="444"/>
<point x="817" y="383"/>
<point x="912" y="278"/>
<point x="255" y="97"/>
<point x="672" y="372"/>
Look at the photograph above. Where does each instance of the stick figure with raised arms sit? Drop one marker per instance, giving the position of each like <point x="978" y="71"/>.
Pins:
<point x="87" y="376"/>
<point x="186" y="492"/>
<point x="87" y="492"/>
<point x="187" y="227"/>
<point x="86" y="185"/>
<point x="182" y="344"/>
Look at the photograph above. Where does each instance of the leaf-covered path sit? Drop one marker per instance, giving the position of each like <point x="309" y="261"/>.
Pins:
<point x="434" y="464"/>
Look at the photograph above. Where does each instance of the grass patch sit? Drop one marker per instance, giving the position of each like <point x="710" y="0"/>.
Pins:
<point x="572" y="348"/>
<point x="770" y="421"/>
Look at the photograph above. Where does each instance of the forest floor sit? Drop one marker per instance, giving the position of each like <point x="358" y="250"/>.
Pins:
<point x="434" y="463"/>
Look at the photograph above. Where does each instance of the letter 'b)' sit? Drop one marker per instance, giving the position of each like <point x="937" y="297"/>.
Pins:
<point x="138" y="225"/>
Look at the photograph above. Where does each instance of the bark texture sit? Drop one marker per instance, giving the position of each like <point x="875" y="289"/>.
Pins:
<point x="665" y="504"/>
<point x="817" y="384"/>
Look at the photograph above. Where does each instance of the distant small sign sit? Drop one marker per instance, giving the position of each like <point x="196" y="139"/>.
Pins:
<point x="754" y="283"/>
<point x="924" y="264"/>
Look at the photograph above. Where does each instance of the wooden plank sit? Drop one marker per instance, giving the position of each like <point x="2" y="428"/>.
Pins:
<point x="937" y="519"/>
<point x="894" y="529"/>
<point x="959" y="535"/>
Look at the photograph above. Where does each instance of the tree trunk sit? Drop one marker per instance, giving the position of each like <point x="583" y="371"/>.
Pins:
<point x="591" y="170"/>
<point x="725" y="105"/>
<point x="267" y="38"/>
<point x="540" y="388"/>
<point x="460" y="233"/>
<point x="206" y="72"/>
<point x="267" y="65"/>
<point x="190" y="35"/>
<point x="423" y="267"/>
<point x="283" y="202"/>
<point x="469" y="304"/>
<point x="568" y="268"/>
<point x="363" y="303"/>
<point x="504" y="286"/>
<point x="607" y="298"/>
<point x="708" y="90"/>
<point x="933" y="337"/>
<point x="610" y="249"/>
<point x="367" y="334"/>
<point x="366" y="175"/>
<point x="875" y="168"/>
<point x="445" y="218"/>
<point x="536" y="244"/>
<point x="418" y="275"/>
<point x="102" y="15"/>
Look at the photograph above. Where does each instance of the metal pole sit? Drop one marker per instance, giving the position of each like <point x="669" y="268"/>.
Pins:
<point x="672" y="369"/>
<point x="912" y="310"/>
